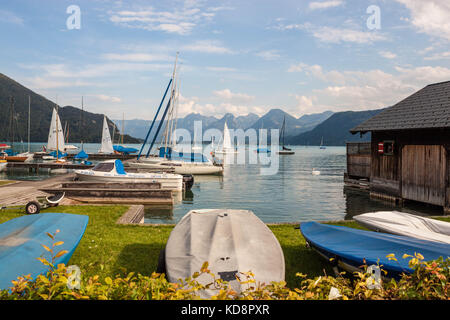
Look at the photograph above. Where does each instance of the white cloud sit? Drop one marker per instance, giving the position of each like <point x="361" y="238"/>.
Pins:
<point x="325" y="4"/>
<point x="439" y="56"/>
<point x="137" y="57"/>
<point x="104" y="97"/>
<point x="387" y="54"/>
<point x="226" y="94"/>
<point x="358" y="90"/>
<point x="207" y="46"/>
<point x="221" y="69"/>
<point x="179" y="19"/>
<point x="431" y="17"/>
<point x="269" y="55"/>
<point x="336" y="35"/>
<point x="189" y="105"/>
<point x="10" y="17"/>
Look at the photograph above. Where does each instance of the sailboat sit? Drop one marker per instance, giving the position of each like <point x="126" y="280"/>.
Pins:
<point x="55" y="141"/>
<point x="120" y="148"/>
<point x="107" y="146"/>
<point x="8" y="154"/>
<point x="284" y="149"/>
<point x="321" y="144"/>
<point x="227" y="147"/>
<point x="168" y="158"/>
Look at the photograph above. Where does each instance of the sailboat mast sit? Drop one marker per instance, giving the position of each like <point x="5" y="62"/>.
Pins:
<point x="172" y="103"/>
<point x="57" y="133"/>
<point x="123" y="128"/>
<point x="29" y="122"/>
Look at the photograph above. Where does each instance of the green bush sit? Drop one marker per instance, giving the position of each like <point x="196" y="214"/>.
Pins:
<point x="428" y="281"/>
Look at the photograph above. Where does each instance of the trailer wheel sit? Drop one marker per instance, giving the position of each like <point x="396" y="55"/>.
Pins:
<point x="161" y="268"/>
<point x="32" y="207"/>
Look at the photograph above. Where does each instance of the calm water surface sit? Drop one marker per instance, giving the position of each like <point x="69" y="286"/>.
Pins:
<point x="293" y="194"/>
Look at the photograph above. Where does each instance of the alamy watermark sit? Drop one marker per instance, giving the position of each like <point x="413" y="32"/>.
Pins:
<point x="247" y="147"/>
<point x="373" y="22"/>
<point x="74" y="20"/>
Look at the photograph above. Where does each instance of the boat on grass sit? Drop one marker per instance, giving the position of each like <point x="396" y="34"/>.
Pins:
<point x="351" y="248"/>
<point x="231" y="241"/>
<point x="113" y="171"/>
<point x="21" y="241"/>
<point x="406" y="224"/>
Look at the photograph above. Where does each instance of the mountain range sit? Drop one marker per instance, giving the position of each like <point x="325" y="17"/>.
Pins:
<point x="87" y="126"/>
<point x="82" y="125"/>
<point x="271" y="120"/>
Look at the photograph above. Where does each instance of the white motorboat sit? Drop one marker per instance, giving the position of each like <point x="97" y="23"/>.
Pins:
<point x="113" y="171"/>
<point x="179" y="166"/>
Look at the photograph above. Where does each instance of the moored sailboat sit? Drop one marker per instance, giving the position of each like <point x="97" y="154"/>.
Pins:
<point x="284" y="150"/>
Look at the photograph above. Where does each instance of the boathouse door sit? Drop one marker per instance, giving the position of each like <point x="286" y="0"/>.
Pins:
<point x="424" y="173"/>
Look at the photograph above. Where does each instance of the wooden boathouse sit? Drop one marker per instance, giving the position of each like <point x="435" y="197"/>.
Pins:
<point x="408" y="157"/>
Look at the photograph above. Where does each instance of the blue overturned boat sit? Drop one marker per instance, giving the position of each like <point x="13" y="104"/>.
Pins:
<point x="350" y="247"/>
<point x="21" y="241"/>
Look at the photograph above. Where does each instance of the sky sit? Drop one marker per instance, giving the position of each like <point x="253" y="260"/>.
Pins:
<point x="234" y="56"/>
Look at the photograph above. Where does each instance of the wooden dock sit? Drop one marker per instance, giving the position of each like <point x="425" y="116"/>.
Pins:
<point x="35" y="167"/>
<point x="113" y="192"/>
<point x="97" y="156"/>
<point x="21" y="192"/>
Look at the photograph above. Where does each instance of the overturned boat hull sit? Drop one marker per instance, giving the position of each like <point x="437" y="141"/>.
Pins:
<point x="231" y="241"/>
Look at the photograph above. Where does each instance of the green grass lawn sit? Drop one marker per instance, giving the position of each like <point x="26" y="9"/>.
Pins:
<point x="108" y="249"/>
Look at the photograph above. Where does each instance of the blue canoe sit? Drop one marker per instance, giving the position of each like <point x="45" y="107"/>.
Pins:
<point x="21" y="241"/>
<point x="350" y="247"/>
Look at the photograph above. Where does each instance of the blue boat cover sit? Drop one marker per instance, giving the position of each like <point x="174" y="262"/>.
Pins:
<point x="119" y="167"/>
<point x="60" y="154"/>
<point x="262" y="150"/>
<point x="125" y="150"/>
<point x="352" y="246"/>
<point x="21" y="241"/>
<point x="81" y="155"/>
<point x="181" y="156"/>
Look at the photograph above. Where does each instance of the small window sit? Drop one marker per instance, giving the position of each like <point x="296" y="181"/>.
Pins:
<point x="388" y="148"/>
<point x="104" y="167"/>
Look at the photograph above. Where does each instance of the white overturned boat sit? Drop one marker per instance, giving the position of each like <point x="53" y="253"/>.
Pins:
<point x="113" y="171"/>
<point x="231" y="241"/>
<point x="180" y="167"/>
<point x="405" y="224"/>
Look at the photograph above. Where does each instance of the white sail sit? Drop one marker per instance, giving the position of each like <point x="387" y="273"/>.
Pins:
<point x="107" y="146"/>
<point x="55" y="134"/>
<point x="226" y="138"/>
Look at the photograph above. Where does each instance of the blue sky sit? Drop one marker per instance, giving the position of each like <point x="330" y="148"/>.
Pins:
<point x="236" y="56"/>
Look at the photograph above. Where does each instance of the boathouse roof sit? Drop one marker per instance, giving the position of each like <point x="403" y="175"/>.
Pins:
<point x="428" y="108"/>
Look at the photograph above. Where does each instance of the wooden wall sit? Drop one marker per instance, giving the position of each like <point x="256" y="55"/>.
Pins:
<point x="358" y="159"/>
<point x="430" y="184"/>
<point x="424" y="173"/>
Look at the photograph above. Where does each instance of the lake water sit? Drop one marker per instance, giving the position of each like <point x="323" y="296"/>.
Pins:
<point x="293" y="194"/>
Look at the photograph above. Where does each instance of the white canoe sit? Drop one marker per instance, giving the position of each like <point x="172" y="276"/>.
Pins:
<point x="231" y="241"/>
<point x="406" y="224"/>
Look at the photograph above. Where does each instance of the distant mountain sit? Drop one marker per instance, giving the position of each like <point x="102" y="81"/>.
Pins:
<point x="271" y="120"/>
<point x="82" y="125"/>
<point x="335" y="130"/>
